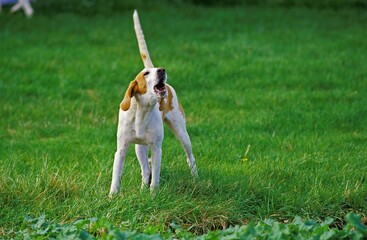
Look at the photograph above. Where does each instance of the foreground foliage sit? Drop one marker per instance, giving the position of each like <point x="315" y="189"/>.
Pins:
<point x="94" y="228"/>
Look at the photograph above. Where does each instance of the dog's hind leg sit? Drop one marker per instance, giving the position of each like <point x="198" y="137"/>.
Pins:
<point x="142" y="154"/>
<point x="176" y="122"/>
<point x="118" y="165"/>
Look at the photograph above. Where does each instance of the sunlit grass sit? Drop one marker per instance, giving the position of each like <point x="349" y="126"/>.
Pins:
<point x="290" y="83"/>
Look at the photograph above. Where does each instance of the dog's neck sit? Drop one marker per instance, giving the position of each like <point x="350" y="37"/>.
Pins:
<point x="144" y="108"/>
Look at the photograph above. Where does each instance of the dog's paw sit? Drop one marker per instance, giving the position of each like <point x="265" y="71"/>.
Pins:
<point x="194" y="174"/>
<point x="113" y="192"/>
<point x="154" y="191"/>
<point x="144" y="187"/>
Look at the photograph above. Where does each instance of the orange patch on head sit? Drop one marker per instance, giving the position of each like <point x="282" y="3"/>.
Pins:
<point x="138" y="85"/>
<point x="142" y="83"/>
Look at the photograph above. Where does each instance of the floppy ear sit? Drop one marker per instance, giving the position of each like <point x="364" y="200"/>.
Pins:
<point x="130" y="92"/>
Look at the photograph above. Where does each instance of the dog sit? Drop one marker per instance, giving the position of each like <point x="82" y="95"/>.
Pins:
<point x="148" y="102"/>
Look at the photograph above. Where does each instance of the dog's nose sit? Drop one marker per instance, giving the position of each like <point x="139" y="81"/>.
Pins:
<point x="161" y="70"/>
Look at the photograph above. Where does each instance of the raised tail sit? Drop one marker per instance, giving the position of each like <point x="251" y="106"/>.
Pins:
<point x="144" y="53"/>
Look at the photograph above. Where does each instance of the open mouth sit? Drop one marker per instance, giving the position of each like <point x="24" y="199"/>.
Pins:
<point x="160" y="89"/>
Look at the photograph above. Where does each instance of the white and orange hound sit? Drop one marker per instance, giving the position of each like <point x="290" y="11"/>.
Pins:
<point x="148" y="102"/>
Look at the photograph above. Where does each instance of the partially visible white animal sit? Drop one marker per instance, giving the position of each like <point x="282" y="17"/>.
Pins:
<point x="24" y="4"/>
<point x="148" y="102"/>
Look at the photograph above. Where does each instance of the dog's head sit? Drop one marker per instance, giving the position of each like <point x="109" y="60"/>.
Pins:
<point x="150" y="82"/>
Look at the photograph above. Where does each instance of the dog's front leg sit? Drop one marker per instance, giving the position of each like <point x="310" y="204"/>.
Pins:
<point x="156" y="165"/>
<point x="118" y="165"/>
<point x="142" y="154"/>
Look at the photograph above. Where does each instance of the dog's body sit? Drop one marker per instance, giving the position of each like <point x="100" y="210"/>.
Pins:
<point x="148" y="102"/>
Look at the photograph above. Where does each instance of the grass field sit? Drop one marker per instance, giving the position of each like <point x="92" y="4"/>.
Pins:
<point x="291" y="83"/>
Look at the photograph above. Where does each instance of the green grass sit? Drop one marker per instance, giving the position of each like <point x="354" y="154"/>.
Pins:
<point x="291" y="83"/>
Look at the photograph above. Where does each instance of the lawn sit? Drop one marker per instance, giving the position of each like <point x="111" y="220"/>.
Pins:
<point x="289" y="83"/>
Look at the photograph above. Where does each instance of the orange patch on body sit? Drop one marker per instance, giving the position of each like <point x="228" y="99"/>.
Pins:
<point x="138" y="85"/>
<point x="165" y="104"/>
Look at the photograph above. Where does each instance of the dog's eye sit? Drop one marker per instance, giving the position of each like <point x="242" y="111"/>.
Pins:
<point x="146" y="73"/>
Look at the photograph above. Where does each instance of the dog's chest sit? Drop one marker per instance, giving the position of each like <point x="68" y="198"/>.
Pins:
<point x="138" y="129"/>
